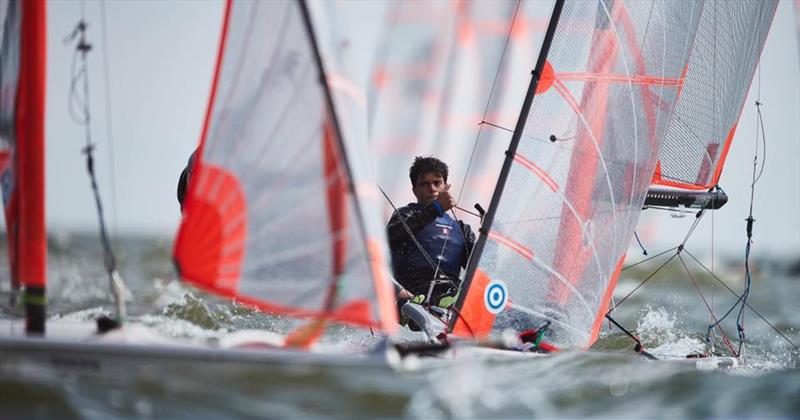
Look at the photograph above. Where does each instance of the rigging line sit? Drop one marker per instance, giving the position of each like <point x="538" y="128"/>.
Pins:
<point x="407" y="229"/>
<point x="636" y="235"/>
<point x="495" y="126"/>
<point x="645" y="280"/>
<point x="115" y="280"/>
<point x="109" y="120"/>
<point x="649" y="259"/>
<point x="716" y="324"/>
<point x="489" y="101"/>
<point x="763" y="140"/>
<point x="758" y="314"/>
<point x="639" y="347"/>
<point x="697" y="219"/>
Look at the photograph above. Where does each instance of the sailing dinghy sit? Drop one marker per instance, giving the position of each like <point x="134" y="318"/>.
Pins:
<point x="275" y="214"/>
<point x="627" y="98"/>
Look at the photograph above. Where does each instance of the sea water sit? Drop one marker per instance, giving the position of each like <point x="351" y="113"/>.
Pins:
<point x="609" y="381"/>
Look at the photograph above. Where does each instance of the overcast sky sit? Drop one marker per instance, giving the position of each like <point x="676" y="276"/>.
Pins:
<point x="160" y="58"/>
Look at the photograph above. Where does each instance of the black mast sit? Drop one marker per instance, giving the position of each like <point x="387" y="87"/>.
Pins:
<point x="334" y="120"/>
<point x="512" y="150"/>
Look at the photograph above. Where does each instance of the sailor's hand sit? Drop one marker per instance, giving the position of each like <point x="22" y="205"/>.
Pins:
<point x="405" y="294"/>
<point x="445" y="200"/>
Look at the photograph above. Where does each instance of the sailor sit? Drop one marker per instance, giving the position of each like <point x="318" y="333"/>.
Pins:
<point x="183" y="181"/>
<point x="427" y="245"/>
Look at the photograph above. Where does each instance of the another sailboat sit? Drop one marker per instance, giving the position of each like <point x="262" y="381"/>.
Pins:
<point x="274" y="218"/>
<point x="610" y="104"/>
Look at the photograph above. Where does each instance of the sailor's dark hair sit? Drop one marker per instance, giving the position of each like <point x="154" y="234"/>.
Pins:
<point x="424" y="165"/>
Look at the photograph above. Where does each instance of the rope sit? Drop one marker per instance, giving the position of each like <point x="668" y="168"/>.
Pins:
<point x="636" y="235"/>
<point x="408" y="230"/>
<point x="645" y="280"/>
<point x="639" y="347"/>
<point x="82" y="49"/>
<point x="758" y="314"/>
<point x="710" y="311"/>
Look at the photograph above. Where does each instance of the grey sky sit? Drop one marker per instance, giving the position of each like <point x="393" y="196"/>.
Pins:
<point x="161" y="56"/>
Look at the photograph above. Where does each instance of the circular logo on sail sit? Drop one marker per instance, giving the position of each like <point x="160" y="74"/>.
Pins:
<point x="495" y="297"/>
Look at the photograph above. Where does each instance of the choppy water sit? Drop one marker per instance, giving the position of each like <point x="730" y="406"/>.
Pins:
<point x="607" y="382"/>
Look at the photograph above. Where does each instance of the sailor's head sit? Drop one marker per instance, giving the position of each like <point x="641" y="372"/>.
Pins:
<point x="183" y="181"/>
<point x="428" y="177"/>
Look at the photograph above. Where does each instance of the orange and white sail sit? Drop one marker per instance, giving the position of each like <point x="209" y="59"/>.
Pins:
<point x="274" y="216"/>
<point x="715" y="83"/>
<point x="576" y="182"/>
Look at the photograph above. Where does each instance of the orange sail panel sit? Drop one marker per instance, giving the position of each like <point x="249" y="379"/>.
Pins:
<point x="272" y="218"/>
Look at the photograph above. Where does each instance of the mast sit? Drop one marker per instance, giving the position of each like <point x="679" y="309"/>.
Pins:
<point x="330" y="300"/>
<point x="512" y="150"/>
<point x="31" y="252"/>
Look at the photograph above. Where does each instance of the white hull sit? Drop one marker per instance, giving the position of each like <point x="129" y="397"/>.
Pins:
<point x="75" y="348"/>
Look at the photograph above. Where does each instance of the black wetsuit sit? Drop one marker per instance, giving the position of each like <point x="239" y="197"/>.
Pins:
<point x="443" y="238"/>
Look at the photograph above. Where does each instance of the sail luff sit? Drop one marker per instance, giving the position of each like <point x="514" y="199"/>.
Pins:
<point x="498" y="192"/>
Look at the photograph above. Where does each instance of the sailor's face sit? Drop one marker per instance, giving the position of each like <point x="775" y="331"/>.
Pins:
<point x="427" y="187"/>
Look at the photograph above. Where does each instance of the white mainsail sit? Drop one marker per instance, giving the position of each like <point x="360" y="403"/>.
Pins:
<point x="576" y="183"/>
<point x="432" y="86"/>
<point x="273" y="217"/>
<point x="724" y="56"/>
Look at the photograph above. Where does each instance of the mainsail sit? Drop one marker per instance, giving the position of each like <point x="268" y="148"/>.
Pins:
<point x="560" y="223"/>
<point x="437" y="67"/>
<point x="724" y="55"/>
<point x="22" y="104"/>
<point x="273" y="217"/>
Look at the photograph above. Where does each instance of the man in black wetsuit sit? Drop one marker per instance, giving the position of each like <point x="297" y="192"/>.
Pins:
<point x="426" y="243"/>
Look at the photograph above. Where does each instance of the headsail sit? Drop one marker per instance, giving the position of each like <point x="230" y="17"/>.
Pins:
<point x="272" y="218"/>
<point x="724" y="56"/>
<point x="577" y="180"/>
<point x="22" y="105"/>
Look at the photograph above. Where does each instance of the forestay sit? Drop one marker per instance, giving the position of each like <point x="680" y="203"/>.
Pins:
<point x="724" y="56"/>
<point x="586" y="155"/>
<point x="272" y="218"/>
